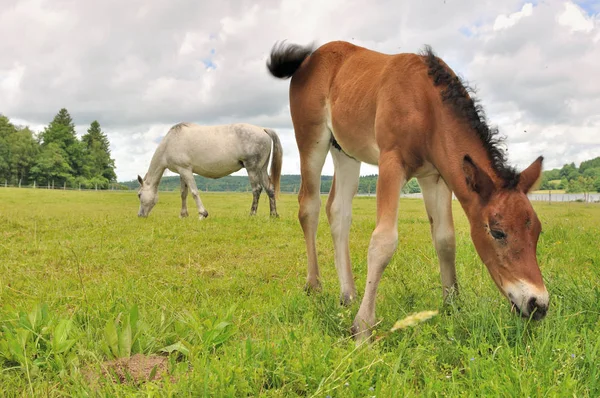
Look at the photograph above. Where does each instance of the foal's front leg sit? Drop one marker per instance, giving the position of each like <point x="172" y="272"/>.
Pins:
<point x="438" y="203"/>
<point x="384" y="239"/>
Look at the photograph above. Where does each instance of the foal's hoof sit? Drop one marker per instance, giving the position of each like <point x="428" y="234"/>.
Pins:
<point x="274" y="215"/>
<point x="203" y="215"/>
<point x="312" y="287"/>
<point x="183" y="215"/>
<point x="347" y="298"/>
<point x="361" y="332"/>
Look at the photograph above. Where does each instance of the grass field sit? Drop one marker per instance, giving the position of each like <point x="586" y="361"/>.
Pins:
<point x="216" y="307"/>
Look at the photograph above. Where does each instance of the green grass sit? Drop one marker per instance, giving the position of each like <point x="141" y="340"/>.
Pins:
<point x="83" y="281"/>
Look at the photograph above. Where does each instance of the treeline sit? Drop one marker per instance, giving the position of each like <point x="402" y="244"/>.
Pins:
<point x="289" y="183"/>
<point x="55" y="157"/>
<point x="586" y="178"/>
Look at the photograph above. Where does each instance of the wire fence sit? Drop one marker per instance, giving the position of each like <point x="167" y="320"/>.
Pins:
<point x="550" y="197"/>
<point x="111" y="187"/>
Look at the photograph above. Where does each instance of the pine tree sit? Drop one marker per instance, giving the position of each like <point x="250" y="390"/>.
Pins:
<point x="61" y="132"/>
<point x="100" y="167"/>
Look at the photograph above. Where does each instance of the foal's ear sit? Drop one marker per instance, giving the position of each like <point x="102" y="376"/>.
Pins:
<point x="140" y="180"/>
<point x="531" y="177"/>
<point x="477" y="180"/>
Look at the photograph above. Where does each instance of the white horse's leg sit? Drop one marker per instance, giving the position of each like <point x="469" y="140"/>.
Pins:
<point x="188" y="177"/>
<point x="438" y="203"/>
<point x="256" y="189"/>
<point x="339" y="213"/>
<point x="265" y="182"/>
<point x="184" y="193"/>
<point x="384" y="239"/>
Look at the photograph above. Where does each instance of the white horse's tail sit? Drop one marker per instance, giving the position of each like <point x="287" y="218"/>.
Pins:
<point x="275" y="174"/>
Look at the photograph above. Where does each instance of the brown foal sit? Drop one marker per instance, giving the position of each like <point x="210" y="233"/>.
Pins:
<point x="412" y="116"/>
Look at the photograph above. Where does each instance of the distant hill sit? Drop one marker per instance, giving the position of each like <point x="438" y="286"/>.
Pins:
<point x="586" y="178"/>
<point x="289" y="183"/>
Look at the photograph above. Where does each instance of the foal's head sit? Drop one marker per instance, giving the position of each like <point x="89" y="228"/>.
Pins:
<point x="505" y="231"/>
<point x="148" y="198"/>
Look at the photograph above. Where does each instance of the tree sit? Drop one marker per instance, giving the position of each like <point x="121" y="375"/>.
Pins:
<point x="18" y="149"/>
<point x="99" y="165"/>
<point x="61" y="132"/>
<point x="593" y="174"/>
<point x="569" y="172"/>
<point x="6" y="131"/>
<point x="24" y="150"/>
<point x="52" y="165"/>
<point x="412" y="186"/>
<point x="589" y="164"/>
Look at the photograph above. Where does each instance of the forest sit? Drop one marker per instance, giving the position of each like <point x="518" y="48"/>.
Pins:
<point x="55" y="157"/>
<point x="572" y="179"/>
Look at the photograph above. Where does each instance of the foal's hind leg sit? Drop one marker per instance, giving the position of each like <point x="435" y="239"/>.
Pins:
<point x="184" y="193"/>
<point x="188" y="177"/>
<point x="438" y="203"/>
<point x="339" y="213"/>
<point x="313" y="144"/>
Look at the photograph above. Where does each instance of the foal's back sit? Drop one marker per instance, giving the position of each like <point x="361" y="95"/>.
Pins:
<point x="357" y="90"/>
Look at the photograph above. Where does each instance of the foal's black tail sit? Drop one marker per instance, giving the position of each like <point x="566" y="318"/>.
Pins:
<point x="285" y="59"/>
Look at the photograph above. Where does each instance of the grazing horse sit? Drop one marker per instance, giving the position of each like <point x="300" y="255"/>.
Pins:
<point x="413" y="117"/>
<point x="213" y="152"/>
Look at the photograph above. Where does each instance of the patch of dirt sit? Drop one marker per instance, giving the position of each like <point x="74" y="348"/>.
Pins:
<point x="138" y="368"/>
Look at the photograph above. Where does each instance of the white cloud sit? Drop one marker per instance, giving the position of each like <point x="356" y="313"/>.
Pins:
<point x="576" y="19"/>
<point x="506" y="21"/>
<point x="139" y="67"/>
<point x="10" y="82"/>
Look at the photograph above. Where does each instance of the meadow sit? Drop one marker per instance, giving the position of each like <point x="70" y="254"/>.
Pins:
<point x="95" y="301"/>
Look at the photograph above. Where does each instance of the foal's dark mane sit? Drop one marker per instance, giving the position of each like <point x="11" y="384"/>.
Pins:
<point x="462" y="100"/>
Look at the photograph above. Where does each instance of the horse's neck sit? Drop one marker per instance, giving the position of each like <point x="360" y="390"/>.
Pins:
<point x="156" y="169"/>
<point x="451" y="146"/>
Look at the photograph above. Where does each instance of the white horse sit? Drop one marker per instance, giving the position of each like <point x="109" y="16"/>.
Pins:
<point x="213" y="152"/>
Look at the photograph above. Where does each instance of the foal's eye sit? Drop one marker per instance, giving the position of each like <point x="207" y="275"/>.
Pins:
<point x="497" y="234"/>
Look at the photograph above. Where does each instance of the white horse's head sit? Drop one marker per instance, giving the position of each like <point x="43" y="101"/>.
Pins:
<point x="148" y="198"/>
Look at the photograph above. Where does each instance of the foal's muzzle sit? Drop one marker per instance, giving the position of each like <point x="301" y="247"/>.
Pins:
<point x="528" y="300"/>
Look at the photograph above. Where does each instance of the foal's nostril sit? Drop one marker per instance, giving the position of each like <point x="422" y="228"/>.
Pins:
<point x="537" y="311"/>
<point x="531" y="304"/>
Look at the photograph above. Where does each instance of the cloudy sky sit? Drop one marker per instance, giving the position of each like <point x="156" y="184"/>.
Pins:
<point x="140" y="66"/>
